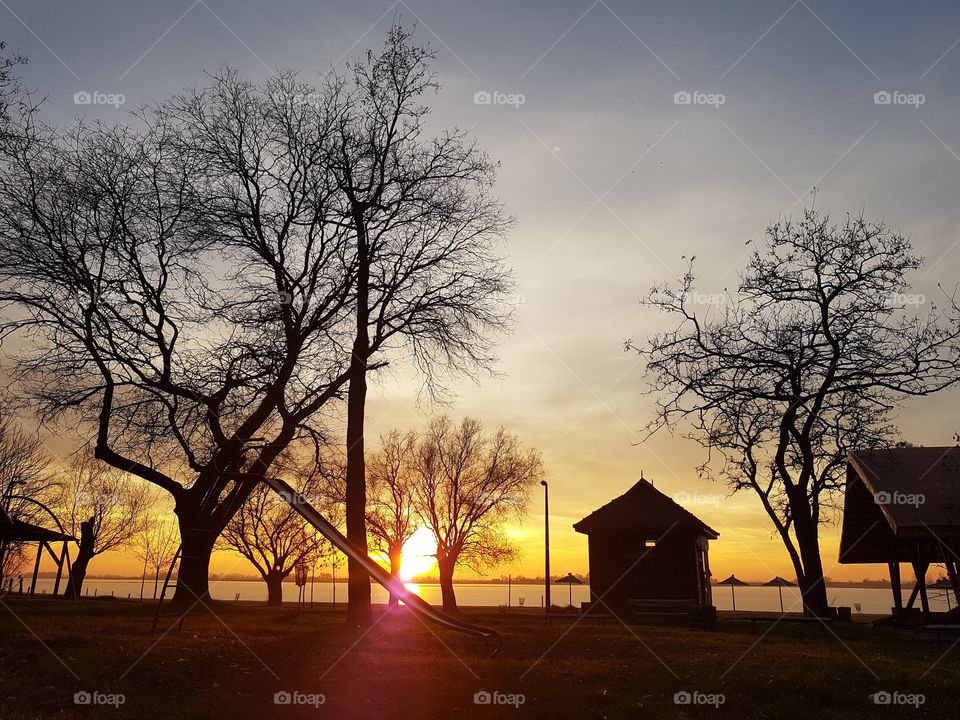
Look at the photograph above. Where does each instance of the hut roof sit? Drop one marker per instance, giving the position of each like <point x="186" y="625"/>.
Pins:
<point x="899" y="494"/>
<point x="642" y="508"/>
<point x="14" y="530"/>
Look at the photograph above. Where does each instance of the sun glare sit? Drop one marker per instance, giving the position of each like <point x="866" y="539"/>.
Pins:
<point x="418" y="555"/>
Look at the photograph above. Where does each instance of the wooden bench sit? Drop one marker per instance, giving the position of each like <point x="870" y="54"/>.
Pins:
<point x="671" y="611"/>
<point x="755" y="619"/>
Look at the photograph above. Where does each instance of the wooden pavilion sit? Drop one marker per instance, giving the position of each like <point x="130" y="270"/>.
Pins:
<point x="13" y="530"/>
<point x="902" y="505"/>
<point x="648" y="558"/>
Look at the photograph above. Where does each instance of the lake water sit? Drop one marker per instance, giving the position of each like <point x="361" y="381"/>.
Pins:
<point x="764" y="599"/>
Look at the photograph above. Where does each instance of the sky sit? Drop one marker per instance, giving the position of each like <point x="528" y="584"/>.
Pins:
<point x="614" y="179"/>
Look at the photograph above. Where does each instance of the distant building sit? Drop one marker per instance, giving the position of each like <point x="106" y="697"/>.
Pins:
<point x="648" y="558"/>
<point x="902" y="505"/>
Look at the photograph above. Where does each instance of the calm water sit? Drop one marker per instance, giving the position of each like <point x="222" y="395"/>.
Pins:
<point x="765" y="599"/>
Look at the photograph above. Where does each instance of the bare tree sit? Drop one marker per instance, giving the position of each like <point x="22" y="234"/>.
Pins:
<point x="182" y="285"/>
<point x="26" y="479"/>
<point x="156" y="545"/>
<point x="272" y="535"/>
<point x="102" y="508"/>
<point x="425" y="231"/>
<point x="805" y="363"/>
<point x="391" y="512"/>
<point x="11" y="91"/>
<point x="467" y="483"/>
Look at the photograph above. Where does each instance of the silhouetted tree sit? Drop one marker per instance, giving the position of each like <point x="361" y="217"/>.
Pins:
<point x="11" y="91"/>
<point x="156" y="544"/>
<point x="272" y="535"/>
<point x="425" y="232"/>
<point x="102" y="508"/>
<point x="391" y="512"/>
<point x="26" y="475"/>
<point x="467" y="483"/>
<point x="182" y="286"/>
<point x="804" y="363"/>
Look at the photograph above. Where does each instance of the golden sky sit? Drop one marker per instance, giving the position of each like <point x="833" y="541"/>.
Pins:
<point x="613" y="184"/>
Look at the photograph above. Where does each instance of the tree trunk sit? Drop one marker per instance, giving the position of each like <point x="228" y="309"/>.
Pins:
<point x="396" y="558"/>
<point x="274" y="582"/>
<point x="813" y="588"/>
<point x="446" y="565"/>
<point x="193" y="573"/>
<point x="359" y="610"/>
<point x="85" y="553"/>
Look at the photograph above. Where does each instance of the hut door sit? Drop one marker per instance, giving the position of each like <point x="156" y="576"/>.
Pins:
<point x="704" y="595"/>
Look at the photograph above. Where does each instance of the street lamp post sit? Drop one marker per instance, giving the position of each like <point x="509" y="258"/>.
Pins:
<point x="546" y="545"/>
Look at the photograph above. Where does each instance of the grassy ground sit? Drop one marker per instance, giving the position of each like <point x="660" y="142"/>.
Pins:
<point x="231" y="665"/>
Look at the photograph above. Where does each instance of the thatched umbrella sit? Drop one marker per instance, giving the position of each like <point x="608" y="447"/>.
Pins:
<point x="780" y="584"/>
<point x="733" y="581"/>
<point x="571" y="580"/>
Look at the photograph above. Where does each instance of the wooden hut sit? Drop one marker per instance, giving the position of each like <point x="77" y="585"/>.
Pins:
<point x="648" y="558"/>
<point x="902" y="505"/>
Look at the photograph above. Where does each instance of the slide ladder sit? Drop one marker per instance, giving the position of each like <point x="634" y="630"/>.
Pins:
<point x="413" y="601"/>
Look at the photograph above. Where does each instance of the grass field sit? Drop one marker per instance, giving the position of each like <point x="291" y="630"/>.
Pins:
<point x="233" y="664"/>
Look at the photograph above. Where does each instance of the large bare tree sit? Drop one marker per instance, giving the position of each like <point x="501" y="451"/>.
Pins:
<point x="177" y="286"/>
<point x="426" y="234"/>
<point x="100" y="507"/>
<point x="803" y="364"/>
<point x="467" y="484"/>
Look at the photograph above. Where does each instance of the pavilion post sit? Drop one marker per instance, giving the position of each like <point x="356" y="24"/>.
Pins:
<point x="920" y="570"/>
<point x="895" y="585"/>
<point x="60" y="562"/>
<point x="36" y="568"/>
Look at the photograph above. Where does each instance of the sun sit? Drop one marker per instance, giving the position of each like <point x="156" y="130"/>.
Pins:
<point x="419" y="554"/>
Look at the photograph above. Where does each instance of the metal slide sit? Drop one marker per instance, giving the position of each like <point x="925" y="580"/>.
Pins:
<point x="411" y="600"/>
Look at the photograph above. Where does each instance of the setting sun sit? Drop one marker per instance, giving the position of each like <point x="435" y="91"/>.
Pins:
<point x="419" y="555"/>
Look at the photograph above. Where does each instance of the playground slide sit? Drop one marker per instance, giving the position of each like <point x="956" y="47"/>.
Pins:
<point x="411" y="600"/>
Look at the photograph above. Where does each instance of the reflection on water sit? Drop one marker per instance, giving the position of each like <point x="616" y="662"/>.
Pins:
<point x="764" y="599"/>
